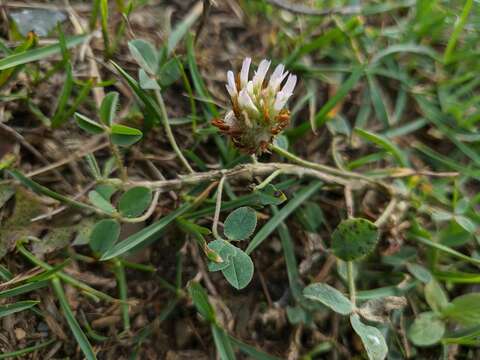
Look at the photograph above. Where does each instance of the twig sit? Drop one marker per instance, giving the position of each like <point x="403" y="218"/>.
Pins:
<point x="330" y="170"/>
<point x="305" y="10"/>
<point x="246" y="171"/>
<point x="85" y="150"/>
<point x="19" y="137"/>
<point x="387" y="212"/>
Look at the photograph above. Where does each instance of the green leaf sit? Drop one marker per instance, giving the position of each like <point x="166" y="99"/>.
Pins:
<point x="323" y="115"/>
<point x="371" y="337"/>
<point x="200" y="300"/>
<point x="278" y="218"/>
<point x="239" y="271"/>
<point x="59" y="116"/>
<point x="225" y="250"/>
<point x="23" y="289"/>
<point x="124" y="135"/>
<point x="426" y="330"/>
<point x="39" y="53"/>
<point x="106" y="190"/>
<point x="100" y="202"/>
<point x="329" y="296"/>
<point x="385" y="144"/>
<point x="466" y="223"/>
<point x="251" y="351"/>
<point x="145" y="234"/>
<point x="72" y="322"/>
<point x="447" y="250"/>
<point x="182" y="28"/>
<point x="464" y="309"/>
<point x="169" y="73"/>
<point x="26" y="350"/>
<point x="9" y="309"/>
<point x="146" y="82"/>
<point x="269" y="195"/>
<point x="104" y="235"/>
<point x="402" y="48"/>
<point x="435" y="296"/>
<point x="88" y="124"/>
<point x="135" y="201"/>
<point x="420" y="272"/>
<point x="108" y="108"/>
<point x="354" y="238"/>
<point x="222" y="343"/>
<point x="240" y="223"/>
<point x="144" y="54"/>
<point x="151" y="107"/>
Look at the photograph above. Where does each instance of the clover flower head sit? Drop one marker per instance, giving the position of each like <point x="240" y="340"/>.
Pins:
<point x="258" y="111"/>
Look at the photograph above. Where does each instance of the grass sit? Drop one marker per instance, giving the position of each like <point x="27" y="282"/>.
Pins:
<point x="114" y="121"/>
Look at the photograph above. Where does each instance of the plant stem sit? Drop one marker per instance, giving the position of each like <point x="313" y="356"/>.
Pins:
<point x="218" y="207"/>
<point x="351" y="283"/>
<point x="61" y="275"/>
<point x="324" y="168"/>
<point x="169" y="132"/>
<point x="122" y="290"/>
<point x="119" y="160"/>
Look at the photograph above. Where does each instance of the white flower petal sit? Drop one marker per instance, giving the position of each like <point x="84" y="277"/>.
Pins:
<point x="261" y="73"/>
<point x="231" y="81"/>
<point x="231" y="91"/>
<point x="245" y="102"/>
<point x="290" y="84"/>
<point x="280" y="101"/>
<point x="277" y="78"/>
<point x="230" y="118"/>
<point x="244" y="71"/>
<point x="249" y="88"/>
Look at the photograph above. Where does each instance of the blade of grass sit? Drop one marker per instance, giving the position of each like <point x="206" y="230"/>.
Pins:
<point x="251" y="351"/>
<point x="385" y="144"/>
<point x="40" y="53"/>
<point x="278" y="218"/>
<point x="222" y="343"/>
<point x="122" y="292"/>
<point x="447" y="250"/>
<point x="23" y="289"/>
<point x="16" y="307"/>
<point x="183" y="27"/>
<point x="25" y="351"/>
<point x="144" y="234"/>
<point x="322" y="116"/>
<point x="72" y="322"/>
<point x="460" y="24"/>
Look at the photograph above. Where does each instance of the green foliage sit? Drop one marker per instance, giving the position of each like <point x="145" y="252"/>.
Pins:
<point x="104" y="235"/>
<point x="426" y="330"/>
<point x="108" y="108"/>
<point x="9" y="309"/>
<point x="371" y="337"/>
<point x="464" y="309"/>
<point x="145" y="55"/>
<point x="237" y="267"/>
<point x="329" y="296"/>
<point x="240" y="224"/>
<point x="135" y="201"/>
<point x="354" y="238"/>
<point x="124" y="135"/>
<point x="88" y="125"/>
<point x="200" y="300"/>
<point x="385" y="109"/>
